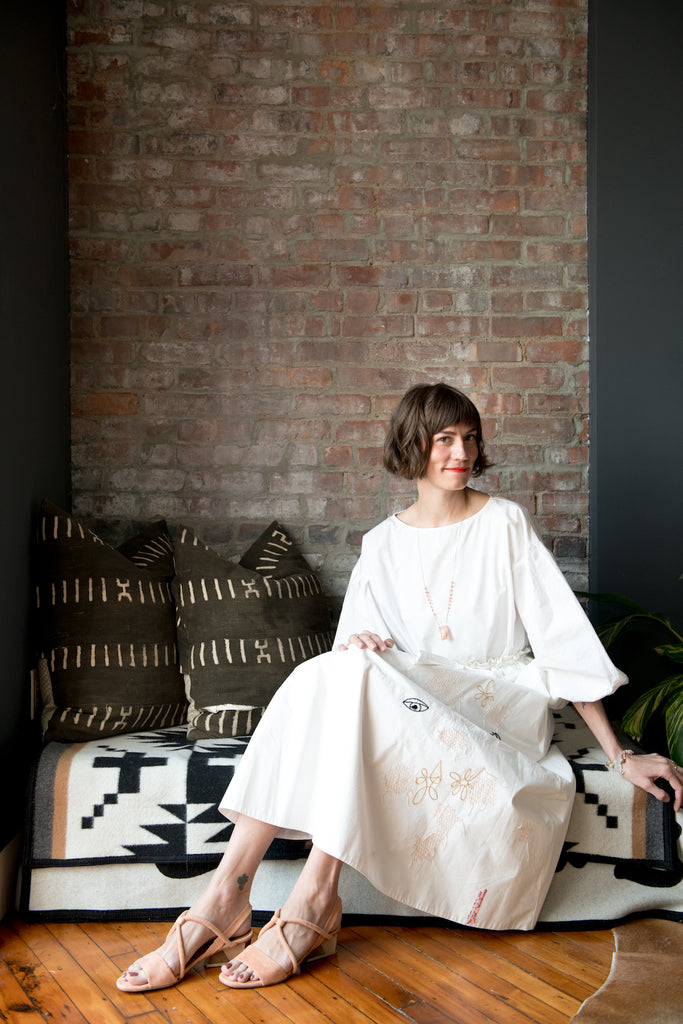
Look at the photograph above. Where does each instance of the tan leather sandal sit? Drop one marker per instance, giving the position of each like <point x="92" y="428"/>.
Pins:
<point x="215" y="952"/>
<point x="323" y="943"/>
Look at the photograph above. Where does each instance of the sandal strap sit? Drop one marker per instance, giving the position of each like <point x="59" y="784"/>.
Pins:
<point x="279" y="922"/>
<point x="222" y="940"/>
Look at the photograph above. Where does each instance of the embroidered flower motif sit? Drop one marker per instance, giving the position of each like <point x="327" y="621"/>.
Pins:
<point x="428" y="782"/>
<point x="477" y="788"/>
<point x="483" y="695"/>
<point x="462" y="784"/>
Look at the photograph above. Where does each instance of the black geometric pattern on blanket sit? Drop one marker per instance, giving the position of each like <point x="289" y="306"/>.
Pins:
<point x="146" y="798"/>
<point x="631" y="829"/>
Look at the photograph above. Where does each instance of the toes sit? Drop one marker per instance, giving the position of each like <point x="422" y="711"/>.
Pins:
<point x="238" y="972"/>
<point x="133" y="976"/>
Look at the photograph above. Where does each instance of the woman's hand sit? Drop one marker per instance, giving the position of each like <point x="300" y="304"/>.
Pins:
<point x="644" y="769"/>
<point x="367" y="640"/>
<point x="640" y="769"/>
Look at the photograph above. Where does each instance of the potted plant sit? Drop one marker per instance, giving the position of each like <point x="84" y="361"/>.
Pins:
<point x="650" y="648"/>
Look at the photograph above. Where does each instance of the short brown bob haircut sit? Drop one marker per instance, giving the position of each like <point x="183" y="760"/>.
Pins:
<point x="423" y="411"/>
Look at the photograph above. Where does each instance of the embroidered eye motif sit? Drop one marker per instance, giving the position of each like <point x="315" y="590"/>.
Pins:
<point x="415" y="704"/>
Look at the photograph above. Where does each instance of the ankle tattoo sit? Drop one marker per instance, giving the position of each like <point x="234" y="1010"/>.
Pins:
<point x="242" y="881"/>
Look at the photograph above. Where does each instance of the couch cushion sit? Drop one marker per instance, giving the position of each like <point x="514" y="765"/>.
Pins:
<point x="105" y="630"/>
<point x="243" y="628"/>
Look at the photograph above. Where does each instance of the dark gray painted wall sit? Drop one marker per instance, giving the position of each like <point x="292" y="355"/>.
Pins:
<point x="33" y="319"/>
<point x="635" y="231"/>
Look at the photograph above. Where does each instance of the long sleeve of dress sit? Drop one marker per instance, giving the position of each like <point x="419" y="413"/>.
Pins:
<point x="360" y="609"/>
<point x="568" y="655"/>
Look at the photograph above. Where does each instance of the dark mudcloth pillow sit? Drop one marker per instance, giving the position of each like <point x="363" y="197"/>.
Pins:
<point x="242" y="628"/>
<point x="105" y="631"/>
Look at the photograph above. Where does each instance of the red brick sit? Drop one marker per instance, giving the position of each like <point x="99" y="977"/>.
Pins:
<point x="557" y="351"/>
<point x="500" y="402"/>
<point x="536" y="483"/>
<point x="507" y="302"/>
<point x="368" y="327"/>
<point x="526" y="326"/>
<point x="363" y="302"/>
<point x="527" y="225"/>
<point x="340" y="455"/>
<point x="570" y="502"/>
<point x="540" y="428"/>
<point x="526" y="377"/>
<point x="497" y="351"/>
<point x="294" y="377"/>
<point x="333" y="250"/>
<point x="406" y="150"/>
<point x="104" y="404"/>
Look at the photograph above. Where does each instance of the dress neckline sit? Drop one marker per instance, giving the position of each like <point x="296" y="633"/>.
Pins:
<point x="448" y="526"/>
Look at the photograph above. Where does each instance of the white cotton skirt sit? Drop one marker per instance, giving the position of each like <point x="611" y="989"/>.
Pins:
<point x="434" y="781"/>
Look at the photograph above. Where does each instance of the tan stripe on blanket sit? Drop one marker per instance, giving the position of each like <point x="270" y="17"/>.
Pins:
<point x="61" y="801"/>
<point x="638" y="824"/>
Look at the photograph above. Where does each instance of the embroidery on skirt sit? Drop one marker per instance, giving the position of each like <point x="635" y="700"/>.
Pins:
<point x="426" y="847"/>
<point x="456" y="739"/>
<point x="478" y="788"/>
<point x="399" y="780"/>
<point x="428" y="783"/>
<point x="484" y="695"/>
<point x="476" y="907"/>
<point x="415" y="704"/>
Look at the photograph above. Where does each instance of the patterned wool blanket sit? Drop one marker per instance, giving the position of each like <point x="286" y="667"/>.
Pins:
<point x="151" y="799"/>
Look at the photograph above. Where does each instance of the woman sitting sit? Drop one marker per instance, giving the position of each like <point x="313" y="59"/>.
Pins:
<point x="419" y="750"/>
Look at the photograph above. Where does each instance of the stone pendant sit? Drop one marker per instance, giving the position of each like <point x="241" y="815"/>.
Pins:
<point x="444" y="633"/>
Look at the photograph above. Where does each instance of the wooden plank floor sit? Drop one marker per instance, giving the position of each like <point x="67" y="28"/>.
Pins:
<point x="425" y="975"/>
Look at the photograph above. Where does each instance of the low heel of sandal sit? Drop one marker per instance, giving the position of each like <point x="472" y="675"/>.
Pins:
<point x="326" y="948"/>
<point x="224" y="956"/>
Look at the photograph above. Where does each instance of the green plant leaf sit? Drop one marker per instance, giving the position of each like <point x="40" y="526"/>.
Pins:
<point x="673" y="651"/>
<point x="674" y="724"/>
<point x="641" y="711"/>
<point x="609" y="631"/>
<point x="610" y="599"/>
<point x="639" y="714"/>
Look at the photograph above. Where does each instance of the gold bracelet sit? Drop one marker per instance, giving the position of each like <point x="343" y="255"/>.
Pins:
<point x="618" y="763"/>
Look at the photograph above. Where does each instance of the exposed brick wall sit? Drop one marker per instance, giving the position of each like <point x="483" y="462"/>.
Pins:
<point x="282" y="215"/>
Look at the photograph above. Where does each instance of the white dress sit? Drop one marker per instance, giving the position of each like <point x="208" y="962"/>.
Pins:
<point x="429" y="768"/>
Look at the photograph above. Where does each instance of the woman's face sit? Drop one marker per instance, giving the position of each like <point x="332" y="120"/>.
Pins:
<point x="452" y="457"/>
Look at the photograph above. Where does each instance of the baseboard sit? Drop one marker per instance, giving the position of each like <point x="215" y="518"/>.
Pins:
<point x="9" y="864"/>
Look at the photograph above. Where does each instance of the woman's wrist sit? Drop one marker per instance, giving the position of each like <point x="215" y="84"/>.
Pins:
<point x="618" y="763"/>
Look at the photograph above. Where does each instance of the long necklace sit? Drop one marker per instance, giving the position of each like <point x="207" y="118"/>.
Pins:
<point x="444" y="631"/>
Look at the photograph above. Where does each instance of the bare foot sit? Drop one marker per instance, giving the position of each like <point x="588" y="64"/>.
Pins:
<point x="319" y="909"/>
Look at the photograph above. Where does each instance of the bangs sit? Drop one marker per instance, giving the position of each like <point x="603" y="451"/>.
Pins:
<point x="449" y="408"/>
